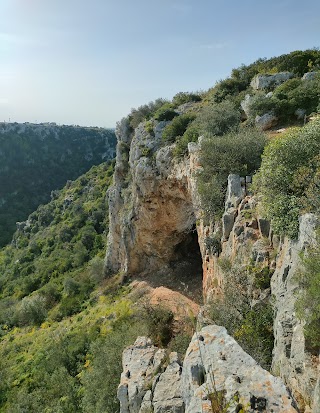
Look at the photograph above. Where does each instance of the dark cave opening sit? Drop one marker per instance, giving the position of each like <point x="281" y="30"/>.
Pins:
<point x="187" y="266"/>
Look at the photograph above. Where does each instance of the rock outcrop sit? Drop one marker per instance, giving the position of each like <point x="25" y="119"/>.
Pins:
<point x="266" y="121"/>
<point x="150" y="203"/>
<point x="146" y="384"/>
<point x="270" y="81"/>
<point x="215" y="368"/>
<point x="215" y="364"/>
<point x="290" y="358"/>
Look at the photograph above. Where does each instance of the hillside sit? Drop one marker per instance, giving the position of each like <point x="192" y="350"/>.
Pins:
<point x="36" y="159"/>
<point x="207" y="204"/>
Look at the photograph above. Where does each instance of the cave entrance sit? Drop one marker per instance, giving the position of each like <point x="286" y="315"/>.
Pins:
<point x="184" y="272"/>
<point x="187" y="266"/>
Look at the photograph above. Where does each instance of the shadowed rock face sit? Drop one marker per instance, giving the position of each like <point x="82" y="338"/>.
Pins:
<point x="150" y="203"/>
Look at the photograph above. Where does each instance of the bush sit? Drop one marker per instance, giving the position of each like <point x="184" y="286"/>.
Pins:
<point x="287" y="98"/>
<point x="277" y="181"/>
<point x="158" y="321"/>
<point x="228" y="88"/>
<point x="190" y="135"/>
<point x="218" y="119"/>
<point x="238" y="153"/>
<point x="252" y="328"/>
<point x="145" y="112"/>
<point x="165" y="113"/>
<point x="185" y="97"/>
<point x="101" y="378"/>
<point x="32" y="310"/>
<point x="177" y="127"/>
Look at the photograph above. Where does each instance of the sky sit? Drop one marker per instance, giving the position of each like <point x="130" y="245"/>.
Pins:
<point x="88" y="62"/>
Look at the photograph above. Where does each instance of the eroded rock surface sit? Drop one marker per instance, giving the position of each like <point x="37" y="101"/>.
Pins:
<point x="267" y="81"/>
<point x="214" y="364"/>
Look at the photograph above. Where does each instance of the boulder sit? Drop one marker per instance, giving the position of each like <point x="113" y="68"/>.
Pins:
<point x="167" y="392"/>
<point x="140" y="362"/>
<point x="310" y="75"/>
<point x="300" y="113"/>
<point x="246" y="103"/>
<point x="266" y="121"/>
<point x="270" y="81"/>
<point x="234" y="196"/>
<point x="215" y="365"/>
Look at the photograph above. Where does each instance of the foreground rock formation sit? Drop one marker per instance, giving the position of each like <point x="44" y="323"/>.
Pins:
<point x="215" y="369"/>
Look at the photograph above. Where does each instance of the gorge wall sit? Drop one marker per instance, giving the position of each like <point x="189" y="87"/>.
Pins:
<point x="154" y="212"/>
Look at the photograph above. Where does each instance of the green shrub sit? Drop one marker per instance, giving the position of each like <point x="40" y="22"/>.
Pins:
<point x="101" y="378"/>
<point x="165" y="113"/>
<point x="252" y="328"/>
<point x="185" y="97"/>
<point x="213" y="244"/>
<point x="190" y="135"/>
<point x="31" y="310"/>
<point x="238" y="153"/>
<point x="158" y="321"/>
<point x="218" y="119"/>
<point x="228" y="88"/>
<point x="287" y="98"/>
<point x="177" y="127"/>
<point x="282" y="197"/>
<point x="145" y="112"/>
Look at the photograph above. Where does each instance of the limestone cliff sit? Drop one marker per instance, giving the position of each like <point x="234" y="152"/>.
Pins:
<point x="156" y="224"/>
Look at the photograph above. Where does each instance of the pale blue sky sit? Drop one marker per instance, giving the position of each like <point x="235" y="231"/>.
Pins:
<point x="89" y="62"/>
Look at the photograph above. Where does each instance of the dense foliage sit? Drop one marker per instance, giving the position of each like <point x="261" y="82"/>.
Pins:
<point x="297" y="62"/>
<point x="36" y="159"/>
<point x="236" y="152"/>
<point x="44" y="271"/>
<point x="287" y="99"/>
<point x="287" y="180"/>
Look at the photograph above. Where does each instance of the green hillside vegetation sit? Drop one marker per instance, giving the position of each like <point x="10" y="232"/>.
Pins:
<point x="37" y="159"/>
<point x="56" y="258"/>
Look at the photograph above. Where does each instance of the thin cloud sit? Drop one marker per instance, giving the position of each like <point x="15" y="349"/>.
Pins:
<point x="213" y="46"/>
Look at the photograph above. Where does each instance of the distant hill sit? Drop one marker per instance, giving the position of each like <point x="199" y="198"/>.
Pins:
<point x="36" y="159"/>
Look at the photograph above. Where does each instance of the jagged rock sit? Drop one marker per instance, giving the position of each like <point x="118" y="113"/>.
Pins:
<point x="266" y="121"/>
<point x="215" y="361"/>
<point x="246" y="103"/>
<point x="264" y="227"/>
<point x="146" y="405"/>
<point x="167" y="392"/>
<point x="143" y="387"/>
<point x="300" y="113"/>
<point x="234" y="192"/>
<point x="139" y="362"/>
<point x="259" y="251"/>
<point x="234" y="196"/>
<point x="290" y="358"/>
<point x="267" y="81"/>
<point x="310" y="75"/>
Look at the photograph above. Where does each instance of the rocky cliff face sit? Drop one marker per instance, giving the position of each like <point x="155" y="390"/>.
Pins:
<point x="152" y="212"/>
<point x="155" y="223"/>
